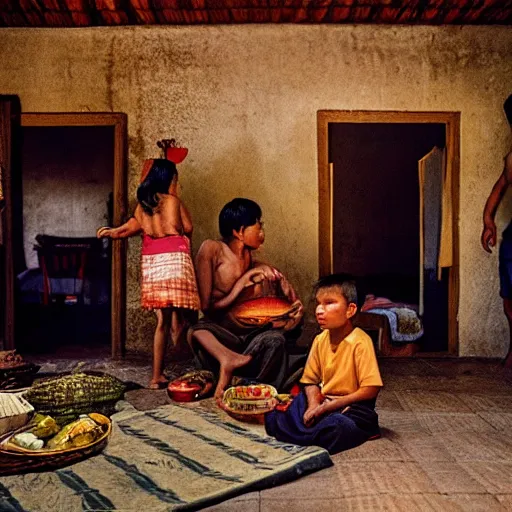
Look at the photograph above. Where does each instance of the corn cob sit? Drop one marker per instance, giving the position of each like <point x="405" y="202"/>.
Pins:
<point x="73" y="392"/>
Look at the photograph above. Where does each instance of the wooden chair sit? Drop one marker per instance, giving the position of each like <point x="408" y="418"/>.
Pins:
<point x="66" y="259"/>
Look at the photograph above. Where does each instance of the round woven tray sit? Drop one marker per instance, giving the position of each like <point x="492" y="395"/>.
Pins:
<point x="248" y="417"/>
<point x="249" y="403"/>
<point x="18" y="376"/>
<point x="16" y="460"/>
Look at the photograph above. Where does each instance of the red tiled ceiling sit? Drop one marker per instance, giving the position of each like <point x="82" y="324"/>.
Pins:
<point x="57" y="19"/>
<point x="109" y="5"/>
<point x="171" y="16"/>
<point x="114" y="17"/>
<point x="30" y="5"/>
<point x="64" y="13"/>
<point x="145" y="17"/>
<point x="166" y="4"/>
<point x="340" y="14"/>
<point x="34" y="19"/>
<point x="220" y="16"/>
<point x="386" y="15"/>
<point x="142" y="4"/>
<point x="81" y="19"/>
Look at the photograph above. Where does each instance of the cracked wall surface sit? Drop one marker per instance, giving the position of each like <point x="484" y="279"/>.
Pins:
<point x="244" y="100"/>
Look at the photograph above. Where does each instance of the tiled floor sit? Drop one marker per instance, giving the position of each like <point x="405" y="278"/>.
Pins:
<point x="446" y="445"/>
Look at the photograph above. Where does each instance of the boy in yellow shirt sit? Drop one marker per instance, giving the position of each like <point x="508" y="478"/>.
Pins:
<point x="341" y="380"/>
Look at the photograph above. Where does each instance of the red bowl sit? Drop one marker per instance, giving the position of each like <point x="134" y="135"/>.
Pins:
<point x="183" y="391"/>
<point x="175" y="154"/>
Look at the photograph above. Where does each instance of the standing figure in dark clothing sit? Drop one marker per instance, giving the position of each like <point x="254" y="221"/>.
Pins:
<point x="489" y="235"/>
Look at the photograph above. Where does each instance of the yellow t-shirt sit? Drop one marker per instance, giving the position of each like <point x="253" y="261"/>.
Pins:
<point x="342" y="369"/>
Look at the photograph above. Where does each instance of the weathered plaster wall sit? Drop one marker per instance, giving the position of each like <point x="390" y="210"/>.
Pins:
<point x="244" y="100"/>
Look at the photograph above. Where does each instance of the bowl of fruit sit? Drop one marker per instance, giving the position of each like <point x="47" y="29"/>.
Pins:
<point x="249" y="403"/>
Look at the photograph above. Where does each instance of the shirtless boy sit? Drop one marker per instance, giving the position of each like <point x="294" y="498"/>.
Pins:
<point x="225" y="268"/>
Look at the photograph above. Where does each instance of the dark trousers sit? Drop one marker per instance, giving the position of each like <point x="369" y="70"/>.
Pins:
<point x="265" y="345"/>
<point x="335" y="432"/>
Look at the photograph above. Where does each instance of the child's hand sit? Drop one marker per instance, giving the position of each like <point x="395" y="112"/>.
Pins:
<point x="308" y="417"/>
<point x="252" y="277"/>
<point x="297" y="310"/>
<point x="312" y="414"/>
<point x="294" y="315"/>
<point x="287" y="289"/>
<point x="270" y="273"/>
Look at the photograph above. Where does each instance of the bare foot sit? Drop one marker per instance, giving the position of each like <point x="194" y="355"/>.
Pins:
<point x="224" y="380"/>
<point x="159" y="383"/>
<point x="236" y="361"/>
<point x="226" y="372"/>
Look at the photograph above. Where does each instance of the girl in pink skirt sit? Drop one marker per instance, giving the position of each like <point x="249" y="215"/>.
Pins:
<point x="168" y="279"/>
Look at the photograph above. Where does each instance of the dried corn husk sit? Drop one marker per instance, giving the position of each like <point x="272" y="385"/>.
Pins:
<point x="66" y="397"/>
<point x="44" y="426"/>
<point x="81" y="432"/>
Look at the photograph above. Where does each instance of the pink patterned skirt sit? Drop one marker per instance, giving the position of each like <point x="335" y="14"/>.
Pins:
<point x="168" y="276"/>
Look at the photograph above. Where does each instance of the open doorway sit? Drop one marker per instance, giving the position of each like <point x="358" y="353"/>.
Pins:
<point x="372" y="199"/>
<point x="67" y="289"/>
<point x="67" y="184"/>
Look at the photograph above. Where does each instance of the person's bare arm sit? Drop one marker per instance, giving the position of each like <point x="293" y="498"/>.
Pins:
<point x="489" y="235"/>
<point x="204" y="267"/>
<point x="269" y="272"/>
<point x="186" y="220"/>
<point x="294" y="317"/>
<point x="328" y="406"/>
<point x="205" y="264"/>
<point x="315" y="399"/>
<point x="251" y="277"/>
<point x="362" y="394"/>
<point x="297" y="307"/>
<point x="129" y="228"/>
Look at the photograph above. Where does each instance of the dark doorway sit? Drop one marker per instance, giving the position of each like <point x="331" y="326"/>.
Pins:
<point x="61" y="186"/>
<point x="369" y="206"/>
<point x="67" y="189"/>
<point x="376" y="216"/>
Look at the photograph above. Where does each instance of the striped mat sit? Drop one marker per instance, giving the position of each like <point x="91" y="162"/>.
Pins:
<point x="174" y="457"/>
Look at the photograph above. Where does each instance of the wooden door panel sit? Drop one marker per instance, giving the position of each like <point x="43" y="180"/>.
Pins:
<point x="10" y="112"/>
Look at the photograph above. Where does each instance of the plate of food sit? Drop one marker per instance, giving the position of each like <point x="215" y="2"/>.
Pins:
<point x="249" y="403"/>
<point x="43" y="445"/>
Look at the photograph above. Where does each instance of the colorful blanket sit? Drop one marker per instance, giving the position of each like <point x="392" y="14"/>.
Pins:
<point x="174" y="457"/>
<point x="404" y="323"/>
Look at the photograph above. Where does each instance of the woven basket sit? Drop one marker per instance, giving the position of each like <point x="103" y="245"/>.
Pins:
<point x="249" y="403"/>
<point x="18" y="376"/>
<point x="15" y="460"/>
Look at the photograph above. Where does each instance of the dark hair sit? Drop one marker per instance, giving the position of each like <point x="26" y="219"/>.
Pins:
<point x="507" y="107"/>
<point x="157" y="181"/>
<point x="239" y="212"/>
<point x="343" y="282"/>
